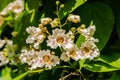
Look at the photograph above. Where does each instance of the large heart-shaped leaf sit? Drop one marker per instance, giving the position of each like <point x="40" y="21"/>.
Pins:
<point x="98" y="66"/>
<point x="115" y="76"/>
<point x="102" y="17"/>
<point x="115" y="6"/>
<point x="109" y="61"/>
<point x="111" y="57"/>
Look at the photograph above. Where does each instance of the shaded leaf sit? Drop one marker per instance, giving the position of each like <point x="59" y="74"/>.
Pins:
<point x="103" y="19"/>
<point x="109" y="61"/>
<point x="115" y="6"/>
<point x="115" y="76"/>
<point x="70" y="6"/>
<point x="45" y="75"/>
<point x="111" y="57"/>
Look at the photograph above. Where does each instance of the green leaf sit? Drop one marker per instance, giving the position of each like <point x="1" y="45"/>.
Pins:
<point x="45" y="75"/>
<point x="103" y="19"/>
<point x="111" y="57"/>
<point x="33" y="4"/>
<point x="70" y="6"/>
<point x="109" y="61"/>
<point x="6" y="74"/>
<point x="98" y="66"/>
<point x="115" y="76"/>
<point x="81" y="63"/>
<point x="4" y="3"/>
<point x="45" y="12"/>
<point x="114" y="5"/>
<point x="80" y="40"/>
<point x="21" y="76"/>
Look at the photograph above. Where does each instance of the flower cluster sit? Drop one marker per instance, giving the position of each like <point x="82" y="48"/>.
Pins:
<point x="7" y="52"/>
<point x="42" y="58"/>
<point x="61" y="39"/>
<point x="15" y="7"/>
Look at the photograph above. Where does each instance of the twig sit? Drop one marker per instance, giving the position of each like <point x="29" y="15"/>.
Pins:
<point x="71" y="74"/>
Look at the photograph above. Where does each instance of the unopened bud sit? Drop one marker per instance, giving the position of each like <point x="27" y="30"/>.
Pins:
<point x="73" y="29"/>
<point x="14" y="33"/>
<point x="62" y="6"/>
<point x="40" y="26"/>
<point x="53" y="53"/>
<point x="57" y="2"/>
<point x="54" y="23"/>
<point x="82" y="26"/>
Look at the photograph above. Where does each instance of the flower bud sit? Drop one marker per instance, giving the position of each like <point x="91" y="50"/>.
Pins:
<point x="62" y="6"/>
<point x="73" y="18"/>
<point x="54" y="23"/>
<point x="46" y="21"/>
<point x="57" y="2"/>
<point x="14" y="33"/>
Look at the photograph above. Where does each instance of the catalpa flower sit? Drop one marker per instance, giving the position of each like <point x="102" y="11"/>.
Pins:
<point x="73" y="53"/>
<point x="88" y="33"/>
<point x="73" y="18"/>
<point x="27" y="55"/>
<point x="47" y="60"/>
<point x="17" y="6"/>
<point x="2" y="42"/>
<point x="3" y="58"/>
<point x="89" y="50"/>
<point x="39" y="59"/>
<point x="30" y="57"/>
<point x="36" y="36"/>
<point x="59" y="38"/>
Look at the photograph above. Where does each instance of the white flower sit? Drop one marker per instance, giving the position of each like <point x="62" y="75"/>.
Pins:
<point x="64" y="57"/>
<point x="2" y="42"/>
<point x="59" y="38"/>
<point x="30" y="39"/>
<point x="73" y="53"/>
<point x="89" y="50"/>
<point x="74" y="18"/>
<point x="88" y="33"/>
<point x="33" y="30"/>
<point x="48" y="60"/>
<point x="30" y="57"/>
<point x="26" y="56"/>
<point x="45" y="21"/>
<point x="10" y="42"/>
<point x="17" y="6"/>
<point x="40" y="59"/>
<point x="36" y="36"/>
<point x="3" y="58"/>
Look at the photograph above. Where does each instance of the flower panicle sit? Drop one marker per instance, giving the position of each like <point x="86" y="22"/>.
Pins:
<point x="36" y="57"/>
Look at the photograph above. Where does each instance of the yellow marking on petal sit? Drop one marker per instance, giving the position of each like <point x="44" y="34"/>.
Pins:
<point x="60" y="40"/>
<point x="46" y="58"/>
